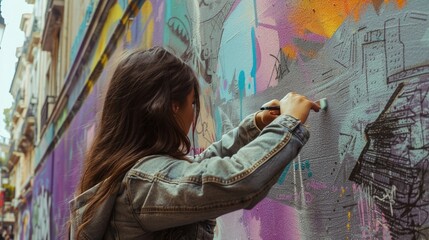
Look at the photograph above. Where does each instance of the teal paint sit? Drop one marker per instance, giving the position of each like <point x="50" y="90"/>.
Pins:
<point x="256" y="13"/>
<point x="177" y="29"/>
<point x="304" y="165"/>
<point x="123" y="3"/>
<point x="237" y="38"/>
<point x="242" y="90"/>
<point x="218" y="124"/>
<point x="167" y="15"/>
<point x="255" y="59"/>
<point x="282" y="177"/>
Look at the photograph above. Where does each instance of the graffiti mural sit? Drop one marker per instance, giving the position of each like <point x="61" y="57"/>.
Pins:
<point x="24" y="232"/>
<point x="363" y="173"/>
<point x="393" y="167"/>
<point x="69" y="153"/>
<point x="360" y="69"/>
<point x="358" y="54"/>
<point x="42" y="201"/>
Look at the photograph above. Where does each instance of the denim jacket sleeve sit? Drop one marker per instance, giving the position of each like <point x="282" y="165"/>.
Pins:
<point x="182" y="192"/>
<point x="233" y="140"/>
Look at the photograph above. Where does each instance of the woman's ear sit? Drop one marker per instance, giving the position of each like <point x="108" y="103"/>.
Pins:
<point x="175" y="107"/>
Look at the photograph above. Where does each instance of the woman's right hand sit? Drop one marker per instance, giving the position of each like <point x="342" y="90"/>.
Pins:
<point x="297" y="106"/>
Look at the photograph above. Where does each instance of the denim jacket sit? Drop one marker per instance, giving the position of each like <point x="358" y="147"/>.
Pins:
<point x="161" y="192"/>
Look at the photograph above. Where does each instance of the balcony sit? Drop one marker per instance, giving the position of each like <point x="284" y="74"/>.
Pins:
<point x="15" y="154"/>
<point x="28" y="130"/>
<point x="34" y="40"/>
<point x="47" y="108"/>
<point x="18" y="107"/>
<point x="53" y="18"/>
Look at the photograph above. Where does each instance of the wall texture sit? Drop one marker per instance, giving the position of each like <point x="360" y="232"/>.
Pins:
<point x="363" y="173"/>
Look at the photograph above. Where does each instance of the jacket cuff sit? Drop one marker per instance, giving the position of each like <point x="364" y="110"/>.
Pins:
<point x="295" y="127"/>
<point x="249" y="124"/>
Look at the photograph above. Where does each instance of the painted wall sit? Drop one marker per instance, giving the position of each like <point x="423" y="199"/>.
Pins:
<point x="24" y="220"/>
<point x="68" y="156"/>
<point x="41" y="218"/>
<point x="363" y="173"/>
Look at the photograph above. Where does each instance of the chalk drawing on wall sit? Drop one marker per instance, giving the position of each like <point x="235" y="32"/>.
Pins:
<point x="280" y="68"/>
<point x="393" y="167"/>
<point x="213" y="15"/>
<point x="195" y="32"/>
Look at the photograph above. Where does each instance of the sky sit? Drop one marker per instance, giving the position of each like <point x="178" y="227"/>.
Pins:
<point x="13" y="37"/>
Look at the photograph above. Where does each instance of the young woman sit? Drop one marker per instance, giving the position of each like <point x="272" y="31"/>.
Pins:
<point x="139" y="183"/>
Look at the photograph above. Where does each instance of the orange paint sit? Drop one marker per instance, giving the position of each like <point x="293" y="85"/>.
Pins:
<point x="324" y="17"/>
<point x="308" y="18"/>
<point x="401" y="3"/>
<point x="290" y="51"/>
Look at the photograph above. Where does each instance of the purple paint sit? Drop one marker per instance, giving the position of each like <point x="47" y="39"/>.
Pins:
<point x="316" y="185"/>
<point x="69" y="157"/>
<point x="277" y="221"/>
<point x="42" y="201"/>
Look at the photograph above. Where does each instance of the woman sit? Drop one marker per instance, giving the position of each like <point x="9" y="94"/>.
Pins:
<point x="138" y="182"/>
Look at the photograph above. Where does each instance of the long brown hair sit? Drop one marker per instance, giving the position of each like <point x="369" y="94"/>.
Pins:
<point x="137" y="120"/>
